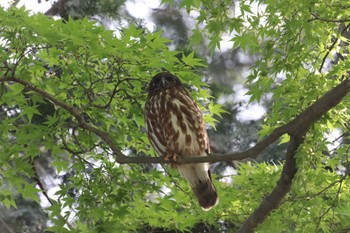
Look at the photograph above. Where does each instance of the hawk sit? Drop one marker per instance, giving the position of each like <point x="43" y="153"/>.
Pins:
<point x="175" y="128"/>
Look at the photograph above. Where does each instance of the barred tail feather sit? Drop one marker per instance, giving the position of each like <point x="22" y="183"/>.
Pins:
<point x="206" y="194"/>
<point x="198" y="175"/>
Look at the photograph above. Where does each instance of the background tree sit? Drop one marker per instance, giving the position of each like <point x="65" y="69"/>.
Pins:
<point x="73" y="92"/>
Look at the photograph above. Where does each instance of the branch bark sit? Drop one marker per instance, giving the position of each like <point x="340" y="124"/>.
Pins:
<point x="57" y="8"/>
<point x="274" y="199"/>
<point x="297" y="129"/>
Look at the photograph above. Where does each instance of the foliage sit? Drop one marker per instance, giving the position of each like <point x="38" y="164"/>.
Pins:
<point x="104" y="76"/>
<point x="302" y="49"/>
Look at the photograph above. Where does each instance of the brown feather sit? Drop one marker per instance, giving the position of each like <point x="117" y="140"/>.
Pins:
<point x="175" y="127"/>
<point x="206" y="194"/>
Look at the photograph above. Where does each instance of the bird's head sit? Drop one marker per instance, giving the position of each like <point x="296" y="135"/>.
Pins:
<point x="162" y="81"/>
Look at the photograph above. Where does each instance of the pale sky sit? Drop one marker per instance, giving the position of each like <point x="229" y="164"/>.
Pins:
<point x="32" y="5"/>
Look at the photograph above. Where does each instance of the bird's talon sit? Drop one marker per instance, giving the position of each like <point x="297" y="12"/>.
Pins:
<point x="167" y="158"/>
<point x="171" y="158"/>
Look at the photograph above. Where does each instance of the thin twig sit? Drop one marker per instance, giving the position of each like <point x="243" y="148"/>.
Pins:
<point x="331" y="48"/>
<point x="39" y="181"/>
<point x="317" y="17"/>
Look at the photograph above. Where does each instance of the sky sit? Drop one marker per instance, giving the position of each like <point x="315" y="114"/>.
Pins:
<point x="32" y="5"/>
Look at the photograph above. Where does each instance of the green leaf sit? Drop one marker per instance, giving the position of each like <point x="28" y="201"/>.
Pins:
<point x="9" y="202"/>
<point x="284" y="139"/>
<point x="196" y="37"/>
<point x="29" y="111"/>
<point x="30" y="192"/>
<point x="246" y="41"/>
<point x="191" y="61"/>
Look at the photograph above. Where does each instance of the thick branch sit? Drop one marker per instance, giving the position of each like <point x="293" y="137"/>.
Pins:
<point x="315" y="111"/>
<point x="273" y="200"/>
<point x="57" y="8"/>
<point x="303" y="121"/>
<point x="297" y="130"/>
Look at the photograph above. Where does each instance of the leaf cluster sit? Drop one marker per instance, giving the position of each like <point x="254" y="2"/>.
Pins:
<point x="100" y="78"/>
<point x="103" y="76"/>
<point x="302" y="51"/>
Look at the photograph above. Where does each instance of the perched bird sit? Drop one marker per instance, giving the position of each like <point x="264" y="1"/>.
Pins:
<point x="175" y="128"/>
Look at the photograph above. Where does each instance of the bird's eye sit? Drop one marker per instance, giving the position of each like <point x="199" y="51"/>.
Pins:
<point x="154" y="84"/>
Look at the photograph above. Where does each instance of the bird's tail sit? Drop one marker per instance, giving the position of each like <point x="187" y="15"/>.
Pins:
<point x="198" y="175"/>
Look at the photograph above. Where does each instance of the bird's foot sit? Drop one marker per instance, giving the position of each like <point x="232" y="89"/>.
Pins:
<point x="171" y="158"/>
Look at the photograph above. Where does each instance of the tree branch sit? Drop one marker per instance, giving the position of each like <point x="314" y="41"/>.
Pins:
<point x="317" y="17"/>
<point x="336" y="40"/>
<point x="273" y="200"/>
<point x="57" y="8"/>
<point x="297" y="129"/>
<point x="301" y="122"/>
